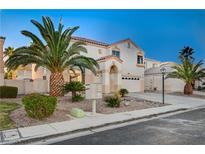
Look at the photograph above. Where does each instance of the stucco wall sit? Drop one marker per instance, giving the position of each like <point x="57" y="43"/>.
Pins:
<point x="20" y="84"/>
<point x="27" y="86"/>
<point x="129" y="57"/>
<point x="95" y="51"/>
<point x="154" y="82"/>
<point x="149" y="63"/>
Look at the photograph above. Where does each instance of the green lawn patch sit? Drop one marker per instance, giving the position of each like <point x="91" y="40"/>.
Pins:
<point x="5" y="110"/>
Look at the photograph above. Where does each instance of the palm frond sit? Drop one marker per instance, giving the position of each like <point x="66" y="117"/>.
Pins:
<point x="54" y="51"/>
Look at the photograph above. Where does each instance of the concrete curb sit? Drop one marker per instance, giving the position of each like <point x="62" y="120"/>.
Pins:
<point x="49" y="136"/>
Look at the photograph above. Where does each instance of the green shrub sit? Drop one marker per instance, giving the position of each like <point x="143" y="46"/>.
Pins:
<point x="113" y="101"/>
<point x="39" y="106"/>
<point x="74" y="87"/>
<point x="123" y="92"/>
<point x="77" y="98"/>
<point x="8" y="92"/>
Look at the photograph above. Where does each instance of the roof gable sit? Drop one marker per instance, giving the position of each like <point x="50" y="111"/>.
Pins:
<point x="126" y="40"/>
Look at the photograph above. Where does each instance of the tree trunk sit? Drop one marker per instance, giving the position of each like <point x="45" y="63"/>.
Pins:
<point x="188" y="89"/>
<point x="83" y="77"/>
<point x="56" y="84"/>
<point x="74" y="93"/>
<point x="13" y="75"/>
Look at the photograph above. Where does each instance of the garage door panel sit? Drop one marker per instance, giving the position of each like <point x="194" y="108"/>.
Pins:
<point x="132" y="85"/>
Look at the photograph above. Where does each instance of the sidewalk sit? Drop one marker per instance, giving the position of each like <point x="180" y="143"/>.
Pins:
<point x="90" y="122"/>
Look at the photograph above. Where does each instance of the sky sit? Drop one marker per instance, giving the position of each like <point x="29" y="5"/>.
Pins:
<point x="160" y="33"/>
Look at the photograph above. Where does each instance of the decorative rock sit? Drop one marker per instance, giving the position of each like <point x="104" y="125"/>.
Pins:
<point x="78" y="113"/>
<point x="126" y="103"/>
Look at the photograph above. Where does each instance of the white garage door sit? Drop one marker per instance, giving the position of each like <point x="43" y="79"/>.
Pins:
<point x="131" y="84"/>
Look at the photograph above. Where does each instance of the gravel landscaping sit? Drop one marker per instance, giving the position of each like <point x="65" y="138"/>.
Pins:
<point x="65" y="105"/>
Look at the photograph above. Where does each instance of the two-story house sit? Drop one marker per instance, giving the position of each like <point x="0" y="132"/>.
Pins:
<point x="121" y="66"/>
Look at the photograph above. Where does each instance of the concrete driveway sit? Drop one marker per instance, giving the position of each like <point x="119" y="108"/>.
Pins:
<point x="186" y="102"/>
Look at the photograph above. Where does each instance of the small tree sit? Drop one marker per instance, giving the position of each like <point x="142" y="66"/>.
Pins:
<point x="74" y="87"/>
<point x="123" y="92"/>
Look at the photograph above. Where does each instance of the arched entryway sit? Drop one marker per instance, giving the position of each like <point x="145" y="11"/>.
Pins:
<point x="113" y="78"/>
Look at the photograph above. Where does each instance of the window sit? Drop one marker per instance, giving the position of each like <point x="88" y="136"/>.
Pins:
<point x="140" y="59"/>
<point x="116" y="53"/>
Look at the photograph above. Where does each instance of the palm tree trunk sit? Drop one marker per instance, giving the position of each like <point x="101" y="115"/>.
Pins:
<point x="83" y="77"/>
<point x="13" y="75"/>
<point x="73" y="93"/>
<point x="56" y="84"/>
<point x="188" y="89"/>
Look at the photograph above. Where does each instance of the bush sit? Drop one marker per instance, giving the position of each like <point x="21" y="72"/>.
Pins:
<point x="77" y="98"/>
<point x="113" y="101"/>
<point x="8" y="92"/>
<point x="74" y="87"/>
<point x="123" y="92"/>
<point x="39" y="106"/>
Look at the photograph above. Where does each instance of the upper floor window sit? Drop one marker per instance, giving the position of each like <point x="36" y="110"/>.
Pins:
<point x="116" y="53"/>
<point x="140" y="59"/>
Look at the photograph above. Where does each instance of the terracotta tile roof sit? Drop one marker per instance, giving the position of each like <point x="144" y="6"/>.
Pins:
<point x="89" y="41"/>
<point x="108" y="57"/>
<point x="129" y="40"/>
<point x="102" y="43"/>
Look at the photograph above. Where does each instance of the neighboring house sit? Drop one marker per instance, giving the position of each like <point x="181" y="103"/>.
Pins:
<point x="153" y="79"/>
<point x="151" y="63"/>
<point x="121" y="66"/>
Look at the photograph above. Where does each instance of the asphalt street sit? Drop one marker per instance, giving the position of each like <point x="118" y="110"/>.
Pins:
<point x="185" y="128"/>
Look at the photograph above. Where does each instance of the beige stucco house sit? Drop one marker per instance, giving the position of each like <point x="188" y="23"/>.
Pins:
<point x="153" y="78"/>
<point x="121" y="66"/>
<point x="151" y="63"/>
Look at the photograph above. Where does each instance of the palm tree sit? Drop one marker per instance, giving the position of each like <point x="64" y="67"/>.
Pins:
<point x="187" y="53"/>
<point x="188" y="72"/>
<point x="9" y="51"/>
<point x="56" y="54"/>
<point x="12" y="73"/>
